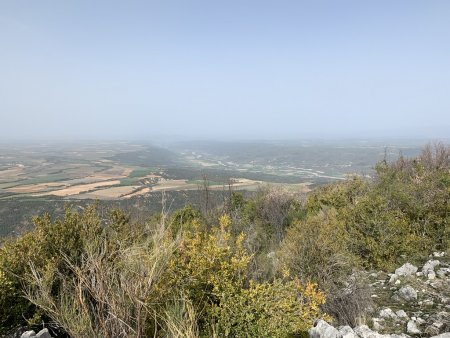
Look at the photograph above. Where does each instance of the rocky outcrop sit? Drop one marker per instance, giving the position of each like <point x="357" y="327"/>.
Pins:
<point x="408" y="293"/>
<point x="322" y="329"/>
<point x="443" y="335"/>
<point x="28" y="334"/>
<point x="411" y="302"/>
<point x="41" y="334"/>
<point x="428" y="269"/>
<point x="411" y="327"/>
<point x="406" y="269"/>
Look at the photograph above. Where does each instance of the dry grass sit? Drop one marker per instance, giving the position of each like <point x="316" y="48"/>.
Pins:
<point x="77" y="189"/>
<point x="11" y="173"/>
<point x="104" y="294"/>
<point x="35" y="188"/>
<point x="109" y="193"/>
<point x="113" y="173"/>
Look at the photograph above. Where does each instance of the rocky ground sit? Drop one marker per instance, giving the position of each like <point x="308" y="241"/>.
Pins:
<point x="410" y="301"/>
<point x="41" y="334"/>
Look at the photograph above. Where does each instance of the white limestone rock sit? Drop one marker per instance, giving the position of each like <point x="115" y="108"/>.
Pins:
<point x="428" y="268"/>
<point x="408" y="293"/>
<point x="387" y="313"/>
<point x="412" y="328"/>
<point x="322" y="329"/>
<point x="406" y="269"/>
<point x="28" y="334"/>
<point x="43" y="334"/>
<point x="401" y="314"/>
<point x="346" y="332"/>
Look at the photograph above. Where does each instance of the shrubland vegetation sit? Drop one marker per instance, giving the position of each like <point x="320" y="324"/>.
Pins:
<point x="265" y="266"/>
<point x="91" y="276"/>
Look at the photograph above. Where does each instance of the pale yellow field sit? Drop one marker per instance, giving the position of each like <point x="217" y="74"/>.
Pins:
<point x="241" y="183"/>
<point x="115" y="172"/>
<point x="299" y="187"/>
<point x="77" y="189"/>
<point x="108" y="193"/>
<point x="86" y="180"/>
<point x="137" y="193"/>
<point x="174" y="185"/>
<point x="11" y="172"/>
<point x="34" y="188"/>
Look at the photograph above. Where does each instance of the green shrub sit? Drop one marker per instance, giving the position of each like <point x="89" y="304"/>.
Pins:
<point x="98" y="277"/>
<point x="381" y="235"/>
<point x="211" y="268"/>
<point x="276" y="309"/>
<point x="317" y="249"/>
<point x="403" y="212"/>
<point x="337" y="195"/>
<point x="49" y="247"/>
<point x="420" y="188"/>
<point x="44" y="245"/>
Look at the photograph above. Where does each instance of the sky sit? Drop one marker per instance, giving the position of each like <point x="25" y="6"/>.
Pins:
<point x="224" y="69"/>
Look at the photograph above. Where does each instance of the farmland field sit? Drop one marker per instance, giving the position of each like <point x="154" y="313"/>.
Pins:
<point x="121" y="170"/>
<point x="40" y="175"/>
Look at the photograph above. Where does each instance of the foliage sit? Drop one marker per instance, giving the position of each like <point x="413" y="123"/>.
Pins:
<point x="271" y="207"/>
<point x="97" y="277"/>
<point x="276" y="309"/>
<point x="183" y="218"/>
<point x="43" y="246"/>
<point x="381" y="235"/>
<point x="402" y="213"/>
<point x="102" y="294"/>
<point x="420" y="188"/>
<point x="264" y="220"/>
<point x="212" y="269"/>
<point x="317" y="248"/>
<point x="349" y="302"/>
<point x="336" y="195"/>
<point x="12" y="305"/>
<point x="96" y="274"/>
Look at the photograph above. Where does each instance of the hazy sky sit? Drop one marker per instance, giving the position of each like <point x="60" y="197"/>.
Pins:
<point x="243" y="69"/>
